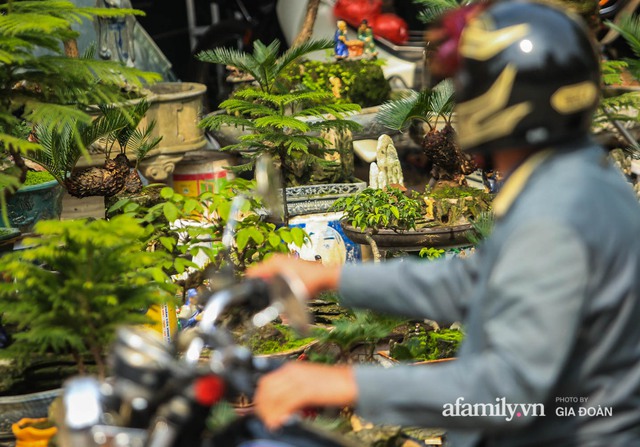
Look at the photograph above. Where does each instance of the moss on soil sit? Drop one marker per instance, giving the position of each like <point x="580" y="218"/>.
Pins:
<point x="275" y="338"/>
<point x="419" y="345"/>
<point x="37" y="177"/>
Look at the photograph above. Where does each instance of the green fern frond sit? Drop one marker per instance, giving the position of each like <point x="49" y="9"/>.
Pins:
<point x="297" y="145"/>
<point x="434" y="9"/>
<point x="17" y="144"/>
<point x="442" y="99"/>
<point x="54" y="115"/>
<point x="17" y="24"/>
<point x="281" y="122"/>
<point x="398" y="114"/>
<point x="311" y="96"/>
<point x="629" y="29"/>
<point x="275" y="99"/>
<point x="294" y="53"/>
<point x="425" y="106"/>
<point x="265" y="58"/>
<point x="141" y="142"/>
<point x="244" y="107"/>
<point x="337" y="124"/>
<point x="229" y="56"/>
<point x="336" y="110"/>
<point x="216" y="120"/>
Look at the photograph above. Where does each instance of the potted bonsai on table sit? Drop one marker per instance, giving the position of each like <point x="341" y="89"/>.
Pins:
<point x="65" y="293"/>
<point x="290" y="125"/>
<point x="41" y="83"/>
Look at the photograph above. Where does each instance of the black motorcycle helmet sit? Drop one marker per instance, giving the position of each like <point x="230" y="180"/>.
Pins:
<point x="529" y="77"/>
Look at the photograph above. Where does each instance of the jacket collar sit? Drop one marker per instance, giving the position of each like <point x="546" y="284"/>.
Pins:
<point x="516" y="182"/>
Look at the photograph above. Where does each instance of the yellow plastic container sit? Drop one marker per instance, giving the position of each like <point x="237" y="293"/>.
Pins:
<point x="165" y="320"/>
<point x="29" y="436"/>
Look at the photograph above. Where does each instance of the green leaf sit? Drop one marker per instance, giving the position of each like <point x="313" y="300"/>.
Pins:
<point x="286" y="236"/>
<point x="298" y="235"/>
<point x="242" y="238"/>
<point x="256" y="235"/>
<point x="168" y="242"/>
<point x="274" y="240"/>
<point x="170" y="211"/>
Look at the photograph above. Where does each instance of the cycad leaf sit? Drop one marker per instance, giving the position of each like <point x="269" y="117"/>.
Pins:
<point x="294" y="53"/>
<point x="629" y="29"/>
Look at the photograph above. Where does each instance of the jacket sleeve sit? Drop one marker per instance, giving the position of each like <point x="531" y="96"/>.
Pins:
<point x="529" y="319"/>
<point x="414" y="288"/>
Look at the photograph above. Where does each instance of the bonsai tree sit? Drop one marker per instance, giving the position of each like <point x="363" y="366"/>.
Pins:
<point x="434" y="108"/>
<point x="75" y="283"/>
<point x="285" y="124"/>
<point x="118" y="130"/>
<point x="40" y="83"/>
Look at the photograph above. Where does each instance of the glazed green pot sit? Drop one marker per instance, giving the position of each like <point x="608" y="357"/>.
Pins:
<point x="33" y="203"/>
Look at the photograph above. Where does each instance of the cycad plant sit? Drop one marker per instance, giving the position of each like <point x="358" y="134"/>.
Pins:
<point x="39" y="83"/>
<point x="115" y="128"/>
<point x="285" y="124"/>
<point x="434" y="108"/>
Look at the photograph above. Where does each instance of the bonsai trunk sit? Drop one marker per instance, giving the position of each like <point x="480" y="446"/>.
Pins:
<point x="108" y="180"/>
<point x="309" y="22"/>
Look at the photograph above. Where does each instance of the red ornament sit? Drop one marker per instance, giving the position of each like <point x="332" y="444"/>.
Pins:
<point x="355" y="11"/>
<point x="391" y="27"/>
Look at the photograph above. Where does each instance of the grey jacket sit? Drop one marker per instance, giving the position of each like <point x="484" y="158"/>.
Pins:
<point x="551" y="310"/>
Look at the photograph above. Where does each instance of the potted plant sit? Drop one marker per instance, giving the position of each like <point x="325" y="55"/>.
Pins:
<point x="41" y="83"/>
<point x="61" y="298"/>
<point x="289" y="125"/>
<point x="73" y="284"/>
<point x="115" y="128"/>
<point x="432" y="108"/>
<point x="398" y="220"/>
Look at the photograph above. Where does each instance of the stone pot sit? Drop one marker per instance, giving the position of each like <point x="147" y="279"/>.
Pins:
<point x="176" y="107"/>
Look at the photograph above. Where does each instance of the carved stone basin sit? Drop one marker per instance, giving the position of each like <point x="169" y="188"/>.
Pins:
<point x="176" y="107"/>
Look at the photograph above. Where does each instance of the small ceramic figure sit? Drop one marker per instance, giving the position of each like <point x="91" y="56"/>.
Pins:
<point x="365" y="34"/>
<point x="115" y="34"/>
<point x="340" y="40"/>
<point x="336" y="84"/>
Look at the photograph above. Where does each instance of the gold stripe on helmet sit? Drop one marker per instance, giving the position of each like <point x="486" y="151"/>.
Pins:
<point x="485" y="118"/>
<point x="573" y="98"/>
<point x="479" y="43"/>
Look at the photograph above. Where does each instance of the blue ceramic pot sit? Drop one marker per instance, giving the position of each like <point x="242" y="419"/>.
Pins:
<point x="33" y="203"/>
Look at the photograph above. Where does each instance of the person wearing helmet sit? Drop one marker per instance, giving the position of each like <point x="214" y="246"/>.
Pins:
<point x="549" y="302"/>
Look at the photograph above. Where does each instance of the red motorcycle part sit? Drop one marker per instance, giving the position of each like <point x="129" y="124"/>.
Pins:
<point x="208" y="390"/>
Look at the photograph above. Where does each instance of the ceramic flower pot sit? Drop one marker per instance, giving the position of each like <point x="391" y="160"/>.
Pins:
<point x="33" y="203"/>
